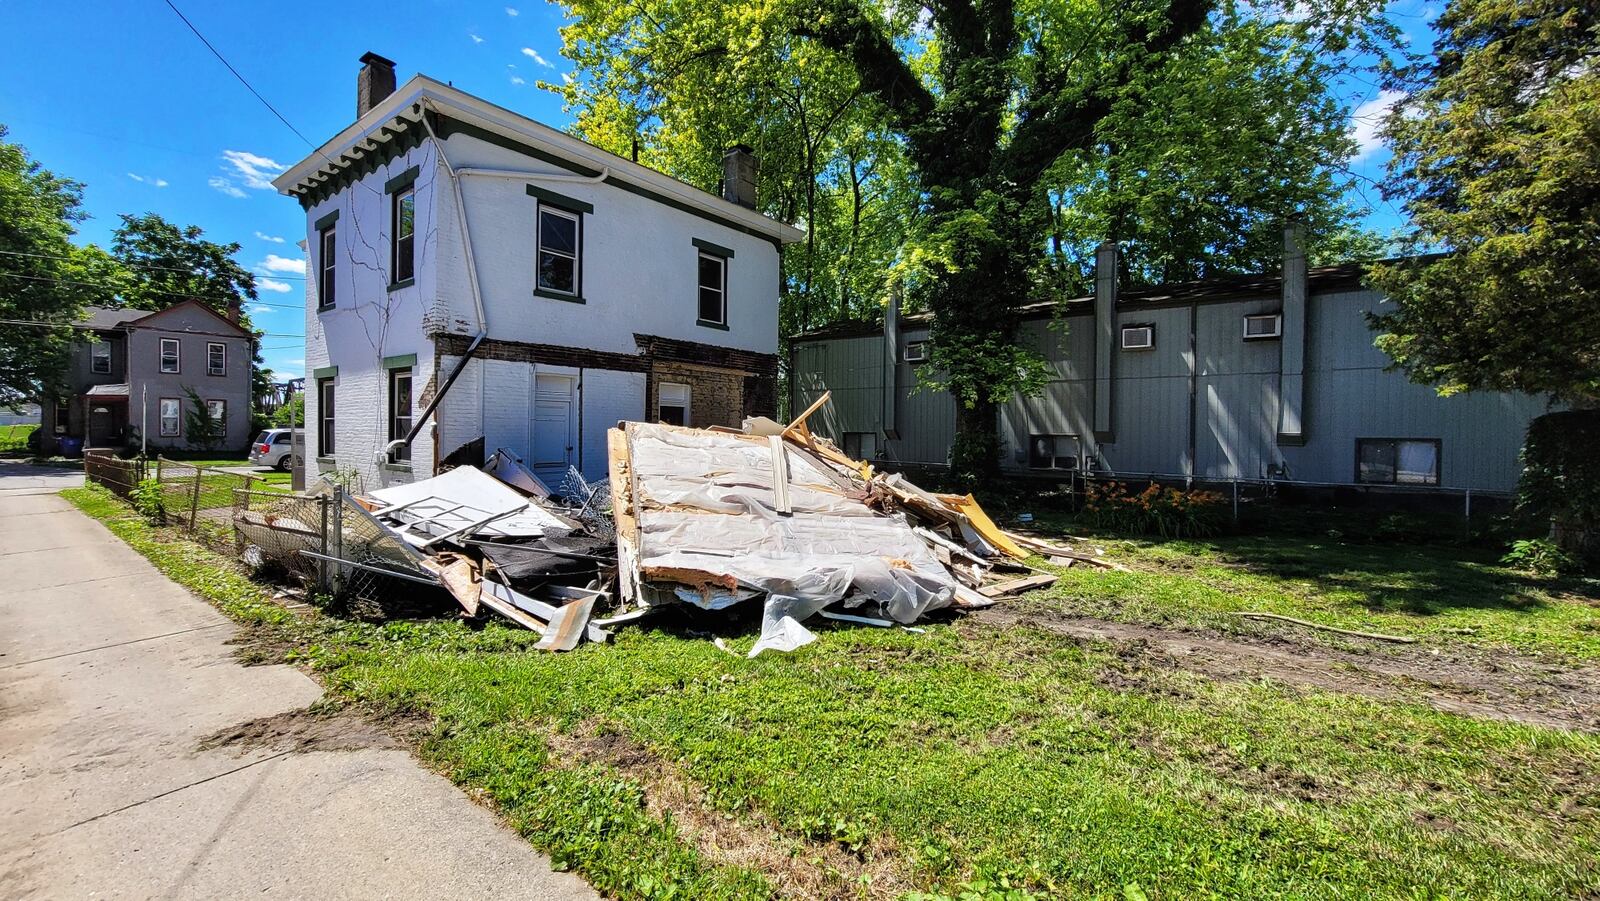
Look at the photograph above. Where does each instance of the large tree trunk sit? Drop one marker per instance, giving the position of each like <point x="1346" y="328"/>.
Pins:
<point x="975" y="452"/>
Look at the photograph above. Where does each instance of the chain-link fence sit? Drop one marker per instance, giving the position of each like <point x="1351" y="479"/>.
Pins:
<point x="199" y="499"/>
<point x="102" y="467"/>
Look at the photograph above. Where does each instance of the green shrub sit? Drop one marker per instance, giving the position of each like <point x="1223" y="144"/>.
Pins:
<point x="1561" y="479"/>
<point x="1539" y="556"/>
<point x="1158" y="510"/>
<point x="147" y="499"/>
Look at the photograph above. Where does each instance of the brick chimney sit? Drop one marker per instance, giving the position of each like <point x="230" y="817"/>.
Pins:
<point x="235" y="310"/>
<point x="739" y="170"/>
<point x="375" y="82"/>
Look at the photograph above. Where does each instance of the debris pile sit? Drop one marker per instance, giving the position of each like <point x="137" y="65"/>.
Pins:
<point x="700" y="518"/>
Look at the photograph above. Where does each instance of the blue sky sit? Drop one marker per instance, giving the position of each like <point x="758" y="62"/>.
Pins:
<point x="121" y="96"/>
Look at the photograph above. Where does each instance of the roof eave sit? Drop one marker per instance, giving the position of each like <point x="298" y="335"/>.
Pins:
<point x="407" y="103"/>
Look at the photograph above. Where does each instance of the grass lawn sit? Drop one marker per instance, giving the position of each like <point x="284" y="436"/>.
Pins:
<point x="14" y="438"/>
<point x="992" y="761"/>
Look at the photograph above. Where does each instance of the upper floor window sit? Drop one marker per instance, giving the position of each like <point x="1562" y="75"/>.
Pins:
<point x="169" y="355"/>
<point x="327" y="257"/>
<point x="216" y="358"/>
<point x="402" y="238"/>
<point x="917" y="351"/>
<point x="560" y="248"/>
<point x="713" y="289"/>
<point x="100" y="356"/>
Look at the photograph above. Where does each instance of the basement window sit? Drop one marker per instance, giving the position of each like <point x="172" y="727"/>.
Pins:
<point x="1262" y="326"/>
<point x="861" y="445"/>
<point x="672" y="404"/>
<point x="1053" y="452"/>
<point x="917" y="351"/>
<point x="1139" y="337"/>
<point x="1397" y="461"/>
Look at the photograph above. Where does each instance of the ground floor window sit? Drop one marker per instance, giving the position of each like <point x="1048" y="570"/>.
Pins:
<point x="861" y="445"/>
<point x="672" y="403"/>
<point x="399" y="412"/>
<point x="325" y="417"/>
<point x="63" y="418"/>
<point x="171" y="412"/>
<point x="1397" y="461"/>
<point x="1053" y="452"/>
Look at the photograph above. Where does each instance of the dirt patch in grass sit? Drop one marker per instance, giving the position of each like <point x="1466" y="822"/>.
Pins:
<point x="1466" y="681"/>
<point x="306" y="730"/>
<point x="798" y="868"/>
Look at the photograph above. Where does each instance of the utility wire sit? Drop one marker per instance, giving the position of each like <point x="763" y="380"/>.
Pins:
<point x="55" y="256"/>
<point x="68" y="281"/>
<point x="35" y="323"/>
<point x="236" y="74"/>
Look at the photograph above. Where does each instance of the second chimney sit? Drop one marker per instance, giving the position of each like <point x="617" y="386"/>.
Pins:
<point x="375" y="82"/>
<point x="739" y="170"/>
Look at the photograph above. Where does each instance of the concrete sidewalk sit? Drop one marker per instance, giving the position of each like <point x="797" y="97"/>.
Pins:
<point x="111" y="676"/>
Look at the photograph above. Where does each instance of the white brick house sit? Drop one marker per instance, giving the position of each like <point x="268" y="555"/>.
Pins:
<point x="541" y="288"/>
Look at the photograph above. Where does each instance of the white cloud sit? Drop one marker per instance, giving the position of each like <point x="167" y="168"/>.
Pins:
<point x="149" y="180"/>
<point x="475" y="39"/>
<point x="566" y="78"/>
<point x="1368" y="119"/>
<point x="275" y="263"/>
<point x="272" y="284"/>
<point x="225" y="186"/>
<point x="255" y="171"/>
<point x="512" y="11"/>
<point x="266" y="237"/>
<point x="259" y="309"/>
<point x="534" y="55"/>
<point x="516" y="79"/>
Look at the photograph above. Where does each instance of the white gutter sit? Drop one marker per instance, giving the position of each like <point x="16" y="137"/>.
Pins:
<point x="523" y="175"/>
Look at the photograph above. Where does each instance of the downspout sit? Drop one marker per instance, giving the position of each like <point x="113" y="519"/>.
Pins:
<point x="472" y="281"/>
<point x="455" y="176"/>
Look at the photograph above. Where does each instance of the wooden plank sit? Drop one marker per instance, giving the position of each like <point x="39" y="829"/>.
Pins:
<point x="780" y="476"/>
<point x="1017" y="586"/>
<point x="969" y="599"/>
<point x="461" y="578"/>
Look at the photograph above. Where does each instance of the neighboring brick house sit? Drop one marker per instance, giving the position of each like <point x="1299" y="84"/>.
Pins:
<point x="133" y="367"/>
<point x="542" y="288"/>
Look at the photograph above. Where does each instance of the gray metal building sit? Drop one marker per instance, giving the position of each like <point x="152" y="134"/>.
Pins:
<point x="1271" y="377"/>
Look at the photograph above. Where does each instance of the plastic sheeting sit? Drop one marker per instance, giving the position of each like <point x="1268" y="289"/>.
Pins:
<point x="705" y="503"/>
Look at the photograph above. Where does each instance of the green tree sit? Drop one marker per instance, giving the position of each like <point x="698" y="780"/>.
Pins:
<point x="44" y="277"/>
<point x="1497" y="156"/>
<point x="202" y="428"/>
<point x="678" y="83"/>
<point x="164" y="263"/>
<point x="991" y="102"/>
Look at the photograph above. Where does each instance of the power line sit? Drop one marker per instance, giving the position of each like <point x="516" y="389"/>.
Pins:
<point x="236" y="74"/>
<point x="35" y="323"/>
<point x="68" y="281"/>
<point x="55" y="256"/>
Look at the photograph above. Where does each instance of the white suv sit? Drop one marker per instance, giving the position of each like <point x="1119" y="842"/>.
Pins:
<point x="277" y="449"/>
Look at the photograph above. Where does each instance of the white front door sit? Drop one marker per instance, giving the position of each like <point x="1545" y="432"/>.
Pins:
<point x="554" y="444"/>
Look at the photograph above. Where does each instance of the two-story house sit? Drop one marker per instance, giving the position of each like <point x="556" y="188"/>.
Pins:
<point x="480" y="280"/>
<point x="131" y="373"/>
